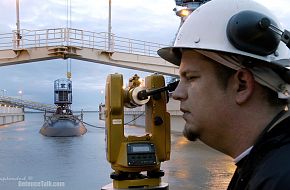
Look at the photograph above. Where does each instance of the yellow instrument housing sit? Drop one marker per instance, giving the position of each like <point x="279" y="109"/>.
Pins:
<point x="157" y="128"/>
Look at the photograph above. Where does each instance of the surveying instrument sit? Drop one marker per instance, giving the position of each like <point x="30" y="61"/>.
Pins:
<point x="136" y="160"/>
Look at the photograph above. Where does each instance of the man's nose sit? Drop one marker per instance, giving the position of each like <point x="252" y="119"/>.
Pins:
<point x="179" y="93"/>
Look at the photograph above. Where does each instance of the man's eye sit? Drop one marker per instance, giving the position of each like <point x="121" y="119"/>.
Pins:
<point x="191" y="77"/>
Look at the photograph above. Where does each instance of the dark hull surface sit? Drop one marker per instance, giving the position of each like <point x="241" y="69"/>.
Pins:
<point x="56" y="126"/>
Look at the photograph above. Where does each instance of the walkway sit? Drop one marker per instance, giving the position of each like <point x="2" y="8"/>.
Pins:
<point x="28" y="104"/>
<point x="39" y="45"/>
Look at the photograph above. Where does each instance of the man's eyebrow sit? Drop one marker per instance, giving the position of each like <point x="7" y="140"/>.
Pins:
<point x="185" y="72"/>
<point x="182" y="73"/>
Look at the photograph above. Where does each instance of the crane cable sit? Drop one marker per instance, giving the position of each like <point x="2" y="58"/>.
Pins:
<point x="68" y="28"/>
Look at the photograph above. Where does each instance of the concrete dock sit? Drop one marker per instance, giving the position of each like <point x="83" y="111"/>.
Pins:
<point x="10" y="114"/>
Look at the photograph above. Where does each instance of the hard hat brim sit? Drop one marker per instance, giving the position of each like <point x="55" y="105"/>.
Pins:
<point x="282" y="68"/>
<point x="171" y="54"/>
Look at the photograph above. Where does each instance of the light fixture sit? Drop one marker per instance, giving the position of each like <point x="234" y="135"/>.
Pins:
<point x="183" y="12"/>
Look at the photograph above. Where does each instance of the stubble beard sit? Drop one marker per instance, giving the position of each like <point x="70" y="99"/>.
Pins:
<point x="189" y="134"/>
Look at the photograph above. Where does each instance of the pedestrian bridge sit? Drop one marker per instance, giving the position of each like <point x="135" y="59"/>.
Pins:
<point x="62" y="43"/>
<point x="27" y="104"/>
<point x="26" y="46"/>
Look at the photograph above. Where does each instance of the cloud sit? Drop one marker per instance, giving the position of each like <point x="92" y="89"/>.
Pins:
<point x="130" y="18"/>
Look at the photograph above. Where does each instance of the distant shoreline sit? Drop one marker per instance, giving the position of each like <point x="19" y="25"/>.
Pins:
<point x="43" y="111"/>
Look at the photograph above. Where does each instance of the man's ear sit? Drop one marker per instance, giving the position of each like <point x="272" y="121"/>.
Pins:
<point x="244" y="85"/>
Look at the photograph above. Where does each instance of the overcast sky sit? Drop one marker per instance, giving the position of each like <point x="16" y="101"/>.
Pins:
<point x="150" y="20"/>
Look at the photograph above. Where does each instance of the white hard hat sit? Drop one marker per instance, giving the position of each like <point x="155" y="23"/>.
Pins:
<point x="233" y="26"/>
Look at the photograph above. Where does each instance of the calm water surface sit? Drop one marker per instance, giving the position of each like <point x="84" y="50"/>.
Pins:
<point x="80" y="162"/>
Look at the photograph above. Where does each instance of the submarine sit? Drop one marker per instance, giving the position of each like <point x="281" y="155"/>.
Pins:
<point x="63" y="123"/>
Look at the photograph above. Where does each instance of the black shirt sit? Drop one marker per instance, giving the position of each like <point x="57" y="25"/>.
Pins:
<point x="267" y="166"/>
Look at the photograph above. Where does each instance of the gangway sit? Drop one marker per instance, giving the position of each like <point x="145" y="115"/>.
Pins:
<point x="28" y="104"/>
<point x="63" y="43"/>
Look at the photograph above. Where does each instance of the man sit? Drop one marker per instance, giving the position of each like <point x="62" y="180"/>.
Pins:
<point x="233" y="89"/>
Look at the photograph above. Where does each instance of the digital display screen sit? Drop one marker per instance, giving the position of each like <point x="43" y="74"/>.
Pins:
<point x="141" y="148"/>
<point x="141" y="154"/>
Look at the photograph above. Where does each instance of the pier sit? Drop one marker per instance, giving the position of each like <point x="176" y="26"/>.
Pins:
<point x="10" y="113"/>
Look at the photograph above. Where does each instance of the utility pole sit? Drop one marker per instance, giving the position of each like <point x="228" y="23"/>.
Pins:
<point x="18" y="36"/>
<point x="110" y="26"/>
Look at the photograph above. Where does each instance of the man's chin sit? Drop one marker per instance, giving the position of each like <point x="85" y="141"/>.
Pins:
<point x="190" y="135"/>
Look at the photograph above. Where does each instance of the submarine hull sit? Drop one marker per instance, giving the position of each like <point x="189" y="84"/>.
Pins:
<point x="63" y="127"/>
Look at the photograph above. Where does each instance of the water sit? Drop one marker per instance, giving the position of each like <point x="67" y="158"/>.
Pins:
<point x="74" y="163"/>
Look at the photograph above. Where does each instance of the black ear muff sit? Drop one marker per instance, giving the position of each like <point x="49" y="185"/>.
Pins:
<point x="249" y="31"/>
